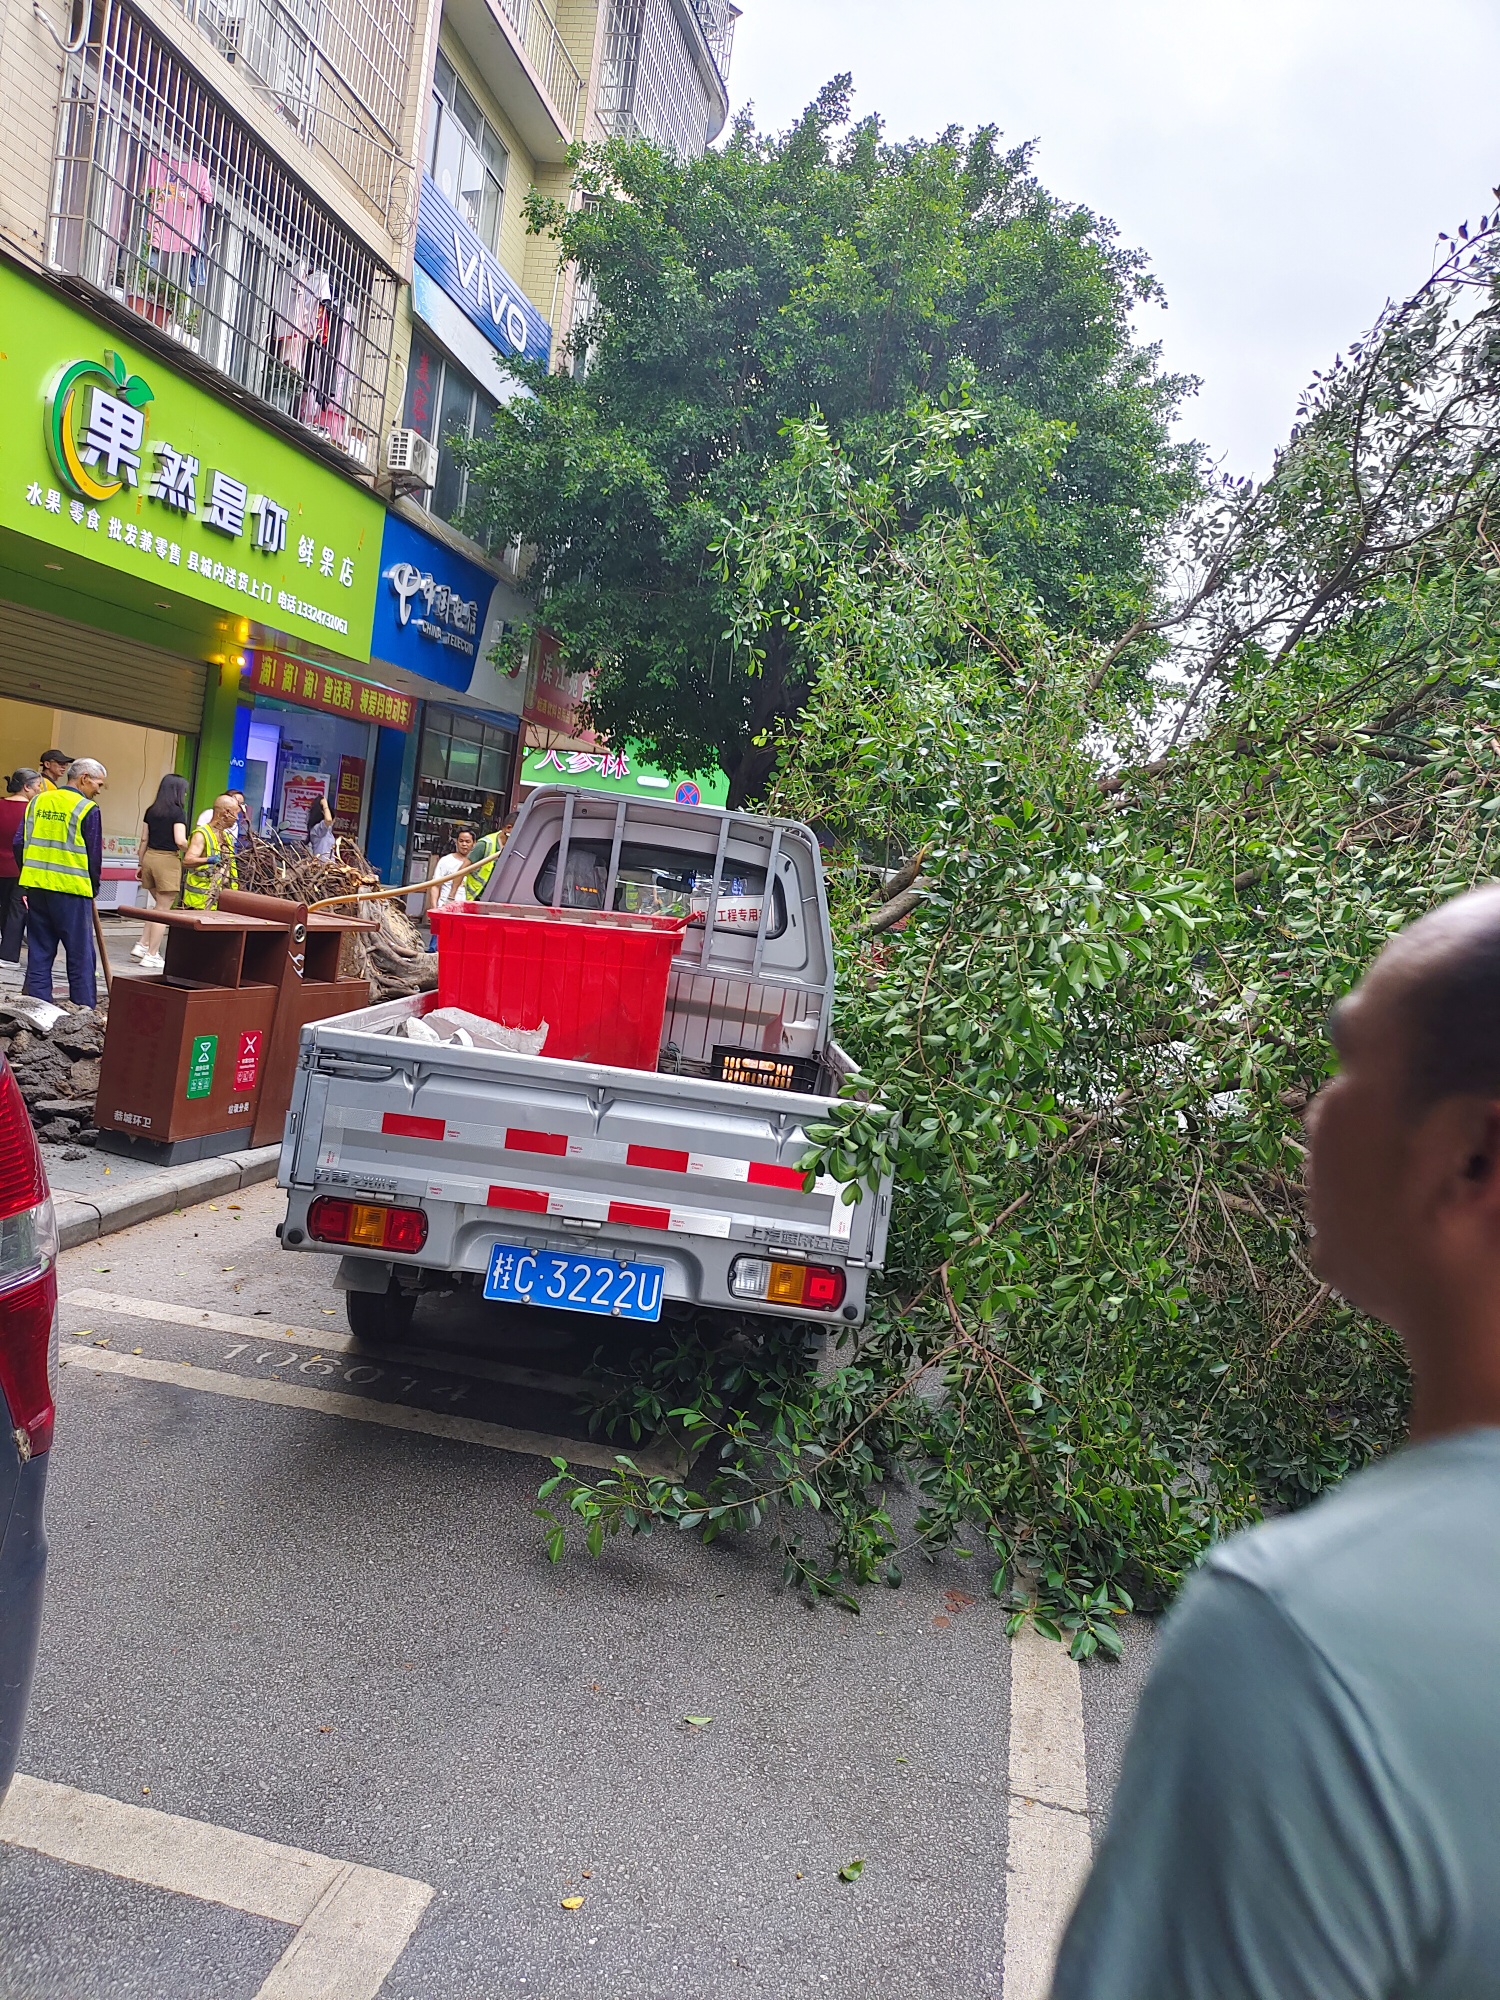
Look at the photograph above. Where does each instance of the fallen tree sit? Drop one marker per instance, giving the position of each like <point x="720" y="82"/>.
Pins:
<point x="1094" y="907"/>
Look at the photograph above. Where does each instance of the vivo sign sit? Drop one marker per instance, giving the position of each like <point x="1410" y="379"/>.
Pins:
<point x="453" y="256"/>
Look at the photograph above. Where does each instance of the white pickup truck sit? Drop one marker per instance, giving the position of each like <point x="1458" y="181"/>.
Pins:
<point x="430" y="1164"/>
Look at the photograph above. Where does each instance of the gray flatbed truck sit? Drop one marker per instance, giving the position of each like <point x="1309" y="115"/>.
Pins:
<point x="427" y="1160"/>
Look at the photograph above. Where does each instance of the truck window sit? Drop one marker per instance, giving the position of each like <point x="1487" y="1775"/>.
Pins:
<point x="661" y="882"/>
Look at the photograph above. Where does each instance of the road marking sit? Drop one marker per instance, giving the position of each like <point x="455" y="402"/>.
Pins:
<point x="240" y="1326"/>
<point x="1048" y="1848"/>
<point x="352" y="1923"/>
<point x="361" y="1409"/>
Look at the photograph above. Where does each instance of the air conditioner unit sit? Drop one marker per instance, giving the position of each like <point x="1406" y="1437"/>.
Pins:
<point x="411" y="460"/>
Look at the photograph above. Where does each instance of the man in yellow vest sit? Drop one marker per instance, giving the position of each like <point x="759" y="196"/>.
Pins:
<point x="208" y="862"/>
<point x="59" y="847"/>
<point x="486" y="853"/>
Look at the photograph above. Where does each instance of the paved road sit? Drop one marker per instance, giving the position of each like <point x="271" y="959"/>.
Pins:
<point x="270" y="1614"/>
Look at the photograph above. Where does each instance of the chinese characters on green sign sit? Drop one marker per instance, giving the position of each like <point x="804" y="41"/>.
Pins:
<point x="200" y="1080"/>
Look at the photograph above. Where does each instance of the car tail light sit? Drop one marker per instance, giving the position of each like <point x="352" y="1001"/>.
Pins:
<point x="816" y="1287"/>
<point x="369" y="1224"/>
<point x="28" y="1278"/>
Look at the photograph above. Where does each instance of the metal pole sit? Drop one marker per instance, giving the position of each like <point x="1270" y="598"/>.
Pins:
<point x="109" y="983"/>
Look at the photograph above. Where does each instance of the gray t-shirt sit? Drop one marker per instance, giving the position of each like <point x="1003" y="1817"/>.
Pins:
<point x="1310" y="1803"/>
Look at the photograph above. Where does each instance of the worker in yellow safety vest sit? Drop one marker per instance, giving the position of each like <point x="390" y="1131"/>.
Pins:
<point x="486" y="852"/>
<point x="208" y="861"/>
<point x="59" y="847"/>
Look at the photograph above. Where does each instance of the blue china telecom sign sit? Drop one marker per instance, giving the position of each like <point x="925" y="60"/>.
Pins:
<point x="438" y="615"/>
<point x="450" y="253"/>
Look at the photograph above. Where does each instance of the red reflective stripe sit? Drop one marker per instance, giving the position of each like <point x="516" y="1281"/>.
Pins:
<point x="784" y="1177"/>
<point x="517" y="1141"/>
<point x="400" y="1126"/>
<point x="660" y="1157"/>
<point x="533" y="1200"/>
<point x="635" y="1215"/>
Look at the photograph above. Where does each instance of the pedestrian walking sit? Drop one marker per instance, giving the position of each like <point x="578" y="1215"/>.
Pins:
<point x="209" y="862"/>
<point x="59" y="851"/>
<point x="1307" y="1805"/>
<point x="159" y="869"/>
<point x="20" y="788"/>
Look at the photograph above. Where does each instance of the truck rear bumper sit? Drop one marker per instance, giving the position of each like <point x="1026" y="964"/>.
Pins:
<point x="460" y="1239"/>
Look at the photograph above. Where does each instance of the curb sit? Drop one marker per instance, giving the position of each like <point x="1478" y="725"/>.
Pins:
<point x="82" y="1218"/>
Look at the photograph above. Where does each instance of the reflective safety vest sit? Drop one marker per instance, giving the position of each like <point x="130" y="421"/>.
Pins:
<point x="487" y="852"/>
<point x="54" y="856"/>
<point x="217" y="870"/>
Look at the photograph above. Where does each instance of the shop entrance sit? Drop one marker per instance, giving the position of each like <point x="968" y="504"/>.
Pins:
<point x="465" y="764"/>
<point x="137" y="760"/>
<point x="294" y="756"/>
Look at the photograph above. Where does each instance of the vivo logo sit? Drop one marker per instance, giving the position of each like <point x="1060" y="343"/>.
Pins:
<point x="453" y="256"/>
<point x="479" y="275"/>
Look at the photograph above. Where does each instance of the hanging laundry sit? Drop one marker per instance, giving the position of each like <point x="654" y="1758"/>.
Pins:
<point x="299" y="301"/>
<point x="177" y="193"/>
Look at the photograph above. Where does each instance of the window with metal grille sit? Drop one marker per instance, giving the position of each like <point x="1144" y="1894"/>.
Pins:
<point x="165" y="202"/>
<point x="649" y="85"/>
<point x="444" y="403"/>
<point x="465" y="156"/>
<point x="717" y="19"/>
<point x="335" y="70"/>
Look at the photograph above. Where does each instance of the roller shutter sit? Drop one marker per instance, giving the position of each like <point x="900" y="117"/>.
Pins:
<point x="62" y="665"/>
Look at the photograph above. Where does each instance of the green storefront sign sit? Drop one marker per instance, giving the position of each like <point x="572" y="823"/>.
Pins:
<point x="108" y="454"/>
<point x="201" y="1059"/>
<point x="622" y="773"/>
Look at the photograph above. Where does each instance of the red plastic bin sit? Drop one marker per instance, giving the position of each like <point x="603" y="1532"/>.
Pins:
<point x="597" y="978"/>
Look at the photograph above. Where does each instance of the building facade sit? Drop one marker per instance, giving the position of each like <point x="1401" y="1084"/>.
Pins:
<point x="242" y="243"/>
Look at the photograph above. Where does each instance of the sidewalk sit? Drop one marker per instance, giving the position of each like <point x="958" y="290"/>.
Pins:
<point x="104" y="1192"/>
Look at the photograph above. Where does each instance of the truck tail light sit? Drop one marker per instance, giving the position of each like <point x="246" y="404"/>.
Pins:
<point x="369" y="1224"/>
<point x="28" y="1278"/>
<point x="818" y="1287"/>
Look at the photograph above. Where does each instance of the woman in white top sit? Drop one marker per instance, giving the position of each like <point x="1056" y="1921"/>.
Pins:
<point x="444" y="889"/>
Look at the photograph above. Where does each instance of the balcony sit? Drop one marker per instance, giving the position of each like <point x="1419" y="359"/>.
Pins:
<point x="165" y="204"/>
<point x="334" y="72"/>
<point x="660" y="78"/>
<point x="525" y="61"/>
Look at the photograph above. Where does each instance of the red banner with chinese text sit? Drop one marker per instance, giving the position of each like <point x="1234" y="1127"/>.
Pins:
<point x="326" y="688"/>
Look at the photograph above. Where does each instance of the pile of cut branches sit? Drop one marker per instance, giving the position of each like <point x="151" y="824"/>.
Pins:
<point x="393" y="958"/>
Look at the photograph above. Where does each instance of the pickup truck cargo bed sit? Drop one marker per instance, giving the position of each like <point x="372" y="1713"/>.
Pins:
<point x="675" y="1167"/>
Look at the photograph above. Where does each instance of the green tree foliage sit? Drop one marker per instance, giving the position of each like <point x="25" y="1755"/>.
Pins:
<point x="823" y="268"/>
<point x="1099" y="1009"/>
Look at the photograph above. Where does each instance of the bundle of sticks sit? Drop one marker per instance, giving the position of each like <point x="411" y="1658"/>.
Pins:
<point x="394" y="958"/>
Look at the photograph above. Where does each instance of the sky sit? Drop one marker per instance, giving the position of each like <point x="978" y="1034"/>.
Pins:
<point x="1286" y="165"/>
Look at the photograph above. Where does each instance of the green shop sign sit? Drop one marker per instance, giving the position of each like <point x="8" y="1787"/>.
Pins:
<point x="623" y="773"/>
<point x="108" y="454"/>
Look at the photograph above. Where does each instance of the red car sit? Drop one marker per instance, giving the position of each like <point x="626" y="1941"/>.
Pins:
<point x="28" y="1385"/>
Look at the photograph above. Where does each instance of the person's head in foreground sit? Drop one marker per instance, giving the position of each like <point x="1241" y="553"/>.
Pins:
<point x="1308" y="1806"/>
<point x="1404" y="1158"/>
<point x="226" y="809"/>
<point x="86" y="775"/>
<point x="463" y="842"/>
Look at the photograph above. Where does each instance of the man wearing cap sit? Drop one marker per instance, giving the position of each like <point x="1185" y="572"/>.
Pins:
<point x="53" y="765"/>
<point x="59" y="848"/>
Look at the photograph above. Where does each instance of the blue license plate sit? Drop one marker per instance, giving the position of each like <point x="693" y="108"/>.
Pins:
<point x="574" y="1284"/>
